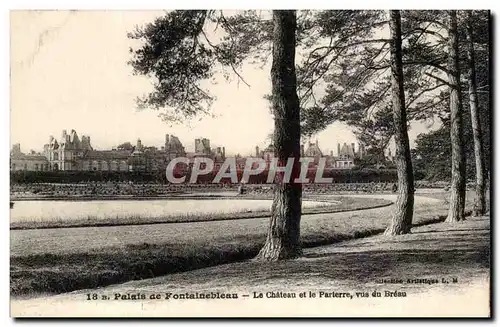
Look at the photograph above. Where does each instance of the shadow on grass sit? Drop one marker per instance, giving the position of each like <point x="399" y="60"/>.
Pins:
<point x="66" y="273"/>
<point x="60" y="273"/>
<point x="368" y="266"/>
<point x="354" y="267"/>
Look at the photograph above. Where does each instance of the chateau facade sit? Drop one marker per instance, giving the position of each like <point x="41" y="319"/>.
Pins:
<point x="346" y="154"/>
<point x="72" y="153"/>
<point x="32" y="161"/>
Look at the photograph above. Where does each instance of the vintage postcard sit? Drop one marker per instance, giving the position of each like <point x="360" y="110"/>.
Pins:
<point x="250" y="163"/>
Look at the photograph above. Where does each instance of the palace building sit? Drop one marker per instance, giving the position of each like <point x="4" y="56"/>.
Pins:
<point x="72" y="153"/>
<point x="346" y="154"/>
<point x="32" y="161"/>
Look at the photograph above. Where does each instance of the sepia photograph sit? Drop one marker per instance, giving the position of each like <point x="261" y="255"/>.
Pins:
<point x="250" y="163"/>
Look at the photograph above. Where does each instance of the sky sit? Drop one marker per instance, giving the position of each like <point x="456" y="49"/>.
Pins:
<point x="69" y="71"/>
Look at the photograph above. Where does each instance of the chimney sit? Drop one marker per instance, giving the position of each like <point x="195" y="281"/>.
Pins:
<point x="224" y="151"/>
<point x="16" y="149"/>
<point x="257" y="152"/>
<point x="167" y="139"/>
<point x="302" y="152"/>
<point x="196" y="145"/>
<point x="338" y="149"/>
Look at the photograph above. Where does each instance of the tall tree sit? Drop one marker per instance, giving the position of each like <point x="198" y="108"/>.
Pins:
<point x="457" y="196"/>
<point x="402" y="217"/>
<point x="284" y="229"/>
<point x="178" y="53"/>
<point x="433" y="149"/>
<point x="355" y="70"/>
<point x="480" y="201"/>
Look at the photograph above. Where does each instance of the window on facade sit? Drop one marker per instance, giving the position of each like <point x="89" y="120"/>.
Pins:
<point x="112" y="166"/>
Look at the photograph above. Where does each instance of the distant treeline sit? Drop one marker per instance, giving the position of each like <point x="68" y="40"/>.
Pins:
<point x="339" y="176"/>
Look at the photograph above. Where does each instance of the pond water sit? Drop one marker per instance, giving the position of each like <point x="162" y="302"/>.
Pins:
<point x="102" y="209"/>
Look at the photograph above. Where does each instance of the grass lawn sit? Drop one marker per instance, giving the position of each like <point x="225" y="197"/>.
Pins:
<point x="64" y="260"/>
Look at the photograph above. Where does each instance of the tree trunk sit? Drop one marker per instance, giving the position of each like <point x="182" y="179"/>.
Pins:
<point x="457" y="196"/>
<point x="284" y="229"/>
<point x="480" y="201"/>
<point x="402" y="217"/>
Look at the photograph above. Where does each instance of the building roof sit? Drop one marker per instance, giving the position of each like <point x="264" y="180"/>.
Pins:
<point x="31" y="157"/>
<point x="347" y="150"/>
<point x="313" y="150"/>
<point x="270" y="148"/>
<point x="107" y="155"/>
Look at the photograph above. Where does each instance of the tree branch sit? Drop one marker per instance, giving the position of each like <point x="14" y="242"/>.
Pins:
<point x="445" y="82"/>
<point x="426" y="63"/>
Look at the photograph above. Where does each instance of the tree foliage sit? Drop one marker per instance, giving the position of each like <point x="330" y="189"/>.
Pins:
<point x="432" y="154"/>
<point x="125" y="146"/>
<point x="181" y="54"/>
<point x="348" y="81"/>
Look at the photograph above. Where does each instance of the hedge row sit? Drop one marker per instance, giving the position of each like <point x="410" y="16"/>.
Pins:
<point x="339" y="176"/>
